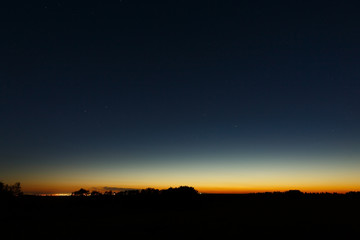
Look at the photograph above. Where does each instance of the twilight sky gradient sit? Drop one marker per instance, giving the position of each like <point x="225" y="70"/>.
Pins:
<point x="224" y="96"/>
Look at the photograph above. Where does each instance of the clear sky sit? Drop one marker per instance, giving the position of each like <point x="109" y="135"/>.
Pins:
<point x="224" y="96"/>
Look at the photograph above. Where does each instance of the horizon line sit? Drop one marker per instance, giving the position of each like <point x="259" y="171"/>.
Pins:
<point x="210" y="193"/>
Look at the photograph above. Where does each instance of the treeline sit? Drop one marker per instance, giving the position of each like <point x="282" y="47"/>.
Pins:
<point x="297" y="194"/>
<point x="8" y="191"/>
<point x="178" y="191"/>
<point x="11" y="191"/>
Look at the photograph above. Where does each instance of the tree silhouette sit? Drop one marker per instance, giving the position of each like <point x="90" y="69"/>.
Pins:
<point x="81" y="192"/>
<point x="16" y="189"/>
<point x="10" y="190"/>
<point x="108" y="193"/>
<point x="95" y="193"/>
<point x="293" y="194"/>
<point x="150" y="192"/>
<point x="178" y="192"/>
<point x="182" y="191"/>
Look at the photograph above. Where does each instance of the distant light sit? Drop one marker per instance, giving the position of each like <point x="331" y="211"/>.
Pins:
<point x="55" y="194"/>
<point x="61" y="194"/>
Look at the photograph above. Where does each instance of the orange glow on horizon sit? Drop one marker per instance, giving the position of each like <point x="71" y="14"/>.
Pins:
<point x="201" y="189"/>
<point x="216" y="178"/>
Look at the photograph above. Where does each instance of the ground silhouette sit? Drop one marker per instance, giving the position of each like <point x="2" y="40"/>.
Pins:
<point x="183" y="212"/>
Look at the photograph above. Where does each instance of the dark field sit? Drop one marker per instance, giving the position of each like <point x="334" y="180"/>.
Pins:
<point x="202" y="216"/>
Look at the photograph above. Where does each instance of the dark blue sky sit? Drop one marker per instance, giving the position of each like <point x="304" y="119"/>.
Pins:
<point x="177" y="78"/>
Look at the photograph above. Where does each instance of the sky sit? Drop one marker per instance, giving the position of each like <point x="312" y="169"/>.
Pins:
<point x="224" y="96"/>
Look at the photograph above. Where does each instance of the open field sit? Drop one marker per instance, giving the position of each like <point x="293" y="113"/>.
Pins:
<point x="204" y="215"/>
